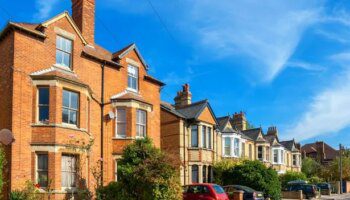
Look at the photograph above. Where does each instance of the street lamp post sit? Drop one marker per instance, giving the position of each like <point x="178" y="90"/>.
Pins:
<point x="340" y="169"/>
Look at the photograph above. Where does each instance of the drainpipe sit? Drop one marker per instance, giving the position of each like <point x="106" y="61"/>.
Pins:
<point x="102" y="116"/>
<point x="184" y="147"/>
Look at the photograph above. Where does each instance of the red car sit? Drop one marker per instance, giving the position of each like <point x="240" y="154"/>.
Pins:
<point x="204" y="191"/>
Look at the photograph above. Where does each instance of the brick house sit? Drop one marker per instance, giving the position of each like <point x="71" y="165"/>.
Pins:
<point x="188" y="131"/>
<point x="60" y="90"/>
<point x="319" y="151"/>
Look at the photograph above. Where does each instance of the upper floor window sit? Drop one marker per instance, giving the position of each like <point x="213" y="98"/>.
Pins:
<point x="42" y="170"/>
<point x="194" y="136"/>
<point x="121" y="123"/>
<point x="204" y="136"/>
<point x="209" y="138"/>
<point x="133" y="78"/>
<point x="236" y="147"/>
<point x="43" y="104"/>
<point x="227" y="147"/>
<point x="70" y="107"/>
<point x="141" y="123"/>
<point x="63" y="52"/>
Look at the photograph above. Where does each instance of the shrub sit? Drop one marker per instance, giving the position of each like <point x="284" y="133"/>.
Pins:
<point x="17" y="195"/>
<point x="314" y="180"/>
<point x="221" y="167"/>
<point x="310" y="167"/>
<point x="256" y="175"/>
<point x="29" y="192"/>
<point x="291" y="176"/>
<point x="144" y="172"/>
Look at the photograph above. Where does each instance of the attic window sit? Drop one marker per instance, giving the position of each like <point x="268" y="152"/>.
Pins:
<point x="133" y="78"/>
<point x="63" y="52"/>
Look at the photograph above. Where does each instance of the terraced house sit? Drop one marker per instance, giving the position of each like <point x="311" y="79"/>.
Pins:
<point x="239" y="142"/>
<point x="62" y="92"/>
<point x="189" y="131"/>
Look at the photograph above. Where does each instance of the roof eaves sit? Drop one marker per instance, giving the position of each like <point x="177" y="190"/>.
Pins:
<point x="130" y="48"/>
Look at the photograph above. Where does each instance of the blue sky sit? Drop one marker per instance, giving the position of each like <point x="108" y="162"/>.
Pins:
<point x="285" y="63"/>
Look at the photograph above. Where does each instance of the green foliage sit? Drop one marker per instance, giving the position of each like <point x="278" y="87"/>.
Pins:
<point x="29" y="192"/>
<point x="2" y="165"/>
<point x="333" y="169"/>
<point x="311" y="167"/>
<point x="250" y="125"/>
<point x="256" y="175"/>
<point x="315" y="180"/>
<point x="222" y="166"/>
<point x="144" y="173"/>
<point x="291" y="176"/>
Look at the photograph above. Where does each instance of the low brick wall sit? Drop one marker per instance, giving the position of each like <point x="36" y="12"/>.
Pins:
<point x="326" y="192"/>
<point x="292" y="194"/>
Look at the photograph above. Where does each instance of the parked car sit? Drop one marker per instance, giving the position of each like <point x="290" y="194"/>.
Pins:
<point x="324" y="186"/>
<point x="249" y="193"/>
<point x="309" y="190"/>
<point x="204" y="191"/>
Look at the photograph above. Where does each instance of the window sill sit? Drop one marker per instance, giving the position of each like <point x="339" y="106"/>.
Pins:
<point x="123" y="138"/>
<point x="132" y="90"/>
<point x="63" y="67"/>
<point x="63" y="125"/>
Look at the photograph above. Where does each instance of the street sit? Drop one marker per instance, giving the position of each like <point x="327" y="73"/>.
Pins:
<point x="337" y="196"/>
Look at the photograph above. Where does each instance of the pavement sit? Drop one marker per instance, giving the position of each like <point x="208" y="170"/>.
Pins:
<point x="337" y="196"/>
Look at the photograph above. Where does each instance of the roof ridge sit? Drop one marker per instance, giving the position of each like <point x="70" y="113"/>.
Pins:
<point x="194" y="104"/>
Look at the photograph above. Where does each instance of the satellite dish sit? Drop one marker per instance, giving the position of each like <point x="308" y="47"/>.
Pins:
<point x="6" y="137"/>
<point x="111" y="115"/>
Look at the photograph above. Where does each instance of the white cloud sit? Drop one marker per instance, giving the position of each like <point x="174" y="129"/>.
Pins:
<point x="44" y="8"/>
<point x="268" y="32"/>
<point x="329" y="111"/>
<point x="305" y="65"/>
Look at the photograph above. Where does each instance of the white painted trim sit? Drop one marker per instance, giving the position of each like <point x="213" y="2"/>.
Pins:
<point x="133" y="62"/>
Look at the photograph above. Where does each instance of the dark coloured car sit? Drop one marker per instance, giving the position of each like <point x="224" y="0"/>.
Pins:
<point x="204" y="191"/>
<point x="324" y="186"/>
<point x="310" y="191"/>
<point x="249" y="193"/>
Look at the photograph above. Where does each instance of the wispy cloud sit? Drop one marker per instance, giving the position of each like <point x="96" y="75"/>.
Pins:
<point x="269" y="35"/>
<point x="328" y="111"/>
<point x="173" y="78"/>
<point x="331" y="35"/>
<point x="44" y="8"/>
<point x="305" y="66"/>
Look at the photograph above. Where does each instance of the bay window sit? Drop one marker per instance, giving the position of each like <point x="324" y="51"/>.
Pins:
<point x="43" y="104"/>
<point x="42" y="170"/>
<point x="209" y="138"/>
<point x="194" y="136"/>
<point x="194" y="174"/>
<point x="236" y="147"/>
<point x="141" y="123"/>
<point x="204" y="137"/>
<point x="70" y="107"/>
<point x="227" y="146"/>
<point x="69" y="171"/>
<point x="121" y="123"/>
<point x="260" y="153"/>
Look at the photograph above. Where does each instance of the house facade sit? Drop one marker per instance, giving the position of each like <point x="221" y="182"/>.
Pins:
<point x="240" y="142"/>
<point x="188" y="131"/>
<point x="67" y="100"/>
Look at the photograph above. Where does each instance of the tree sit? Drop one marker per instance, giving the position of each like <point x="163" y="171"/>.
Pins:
<point x="145" y="173"/>
<point x="311" y="167"/>
<point x="333" y="169"/>
<point x="291" y="176"/>
<point x="256" y="175"/>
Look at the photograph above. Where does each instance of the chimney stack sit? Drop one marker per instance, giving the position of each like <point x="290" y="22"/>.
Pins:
<point x="239" y="121"/>
<point x="321" y="154"/>
<point x="272" y="131"/>
<point x="183" y="97"/>
<point x="83" y="13"/>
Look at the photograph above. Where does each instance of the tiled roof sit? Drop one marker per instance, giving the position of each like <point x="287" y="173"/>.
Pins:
<point x="170" y="108"/>
<point x="290" y="145"/>
<point x="121" y="53"/>
<point x="192" y="111"/>
<point x="126" y="96"/>
<point x="100" y="53"/>
<point x="154" y="80"/>
<point x="56" y="72"/>
<point x="254" y="134"/>
<point x="222" y="122"/>
<point x="330" y="153"/>
<point x="30" y="28"/>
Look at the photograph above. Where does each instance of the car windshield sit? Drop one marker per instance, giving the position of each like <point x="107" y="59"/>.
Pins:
<point x="245" y="188"/>
<point x="218" y="189"/>
<point x="323" y="185"/>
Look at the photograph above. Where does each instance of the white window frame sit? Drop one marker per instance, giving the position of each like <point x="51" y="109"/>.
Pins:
<point x="262" y="153"/>
<point x="120" y="121"/>
<point x="280" y="155"/>
<point x="140" y="124"/>
<point x="236" y="147"/>
<point x="229" y="147"/>
<point x="63" y="39"/>
<point x="70" y="109"/>
<point x="133" y="76"/>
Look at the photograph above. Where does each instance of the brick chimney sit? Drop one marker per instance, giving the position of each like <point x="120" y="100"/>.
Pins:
<point x="183" y="97"/>
<point x="239" y="121"/>
<point x="321" y="154"/>
<point x="83" y="12"/>
<point x="272" y="131"/>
